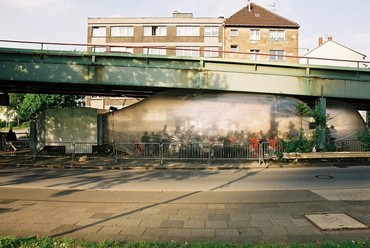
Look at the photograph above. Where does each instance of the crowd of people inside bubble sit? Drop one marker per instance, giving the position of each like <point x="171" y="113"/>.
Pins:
<point x="195" y="142"/>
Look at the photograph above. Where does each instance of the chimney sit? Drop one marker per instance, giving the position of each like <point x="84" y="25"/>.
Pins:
<point x="330" y="38"/>
<point x="249" y="6"/>
<point x="321" y="41"/>
<point x="178" y="14"/>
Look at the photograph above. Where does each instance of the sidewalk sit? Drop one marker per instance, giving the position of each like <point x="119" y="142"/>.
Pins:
<point x="270" y="216"/>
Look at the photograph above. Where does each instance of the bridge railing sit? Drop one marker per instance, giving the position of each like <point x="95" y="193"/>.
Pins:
<point x="113" y="48"/>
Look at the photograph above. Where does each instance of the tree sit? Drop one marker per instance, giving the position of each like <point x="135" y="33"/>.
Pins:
<point x="29" y="106"/>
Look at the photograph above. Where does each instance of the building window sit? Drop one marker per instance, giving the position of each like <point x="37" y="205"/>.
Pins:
<point x="122" y="31"/>
<point x="211" y="31"/>
<point x="234" y="48"/>
<point x="255" y="54"/>
<point x="277" y="35"/>
<point x="211" y="52"/>
<point x="187" y="31"/>
<point x="188" y="51"/>
<point x="234" y="32"/>
<point x="155" y="31"/>
<point x="154" y="51"/>
<point x="277" y="55"/>
<point x="99" y="31"/>
<point x="255" y="34"/>
<point x="122" y="49"/>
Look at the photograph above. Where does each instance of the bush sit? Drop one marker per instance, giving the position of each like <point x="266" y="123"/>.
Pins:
<point x="364" y="137"/>
<point x="297" y="145"/>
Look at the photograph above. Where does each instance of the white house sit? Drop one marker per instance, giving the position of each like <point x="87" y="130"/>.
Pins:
<point x="333" y="54"/>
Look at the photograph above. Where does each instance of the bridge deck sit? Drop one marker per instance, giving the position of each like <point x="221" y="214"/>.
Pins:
<point x="112" y="74"/>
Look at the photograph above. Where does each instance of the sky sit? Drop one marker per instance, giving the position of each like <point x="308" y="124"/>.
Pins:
<point x="66" y="20"/>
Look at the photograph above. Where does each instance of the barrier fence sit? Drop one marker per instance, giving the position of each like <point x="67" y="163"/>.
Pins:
<point x="162" y="152"/>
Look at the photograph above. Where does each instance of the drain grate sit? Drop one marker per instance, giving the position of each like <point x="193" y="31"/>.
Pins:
<point x="324" y="177"/>
<point x="335" y="221"/>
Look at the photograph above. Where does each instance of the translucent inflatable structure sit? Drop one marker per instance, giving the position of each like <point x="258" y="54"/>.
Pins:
<point x="197" y="116"/>
<point x="238" y="118"/>
<point x="344" y="120"/>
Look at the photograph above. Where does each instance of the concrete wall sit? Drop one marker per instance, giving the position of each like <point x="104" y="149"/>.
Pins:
<point x="58" y="126"/>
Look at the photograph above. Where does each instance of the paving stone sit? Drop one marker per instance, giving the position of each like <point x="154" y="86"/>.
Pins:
<point x="150" y="211"/>
<point x="273" y="231"/>
<point x="335" y="221"/>
<point x="172" y="224"/>
<point x="101" y="215"/>
<point x="262" y="216"/>
<point x="110" y="230"/>
<point x="219" y="217"/>
<point x="129" y="222"/>
<point x="238" y="223"/>
<point x="250" y="231"/>
<point x="260" y="223"/>
<point x="194" y="224"/>
<point x="216" y="206"/>
<point x="282" y="222"/>
<point x="301" y="222"/>
<point x="151" y="223"/>
<point x="179" y="217"/>
<point x="207" y="233"/>
<point x="227" y="232"/>
<point x="180" y="232"/>
<point x="216" y="224"/>
<point x="133" y="231"/>
<point x="155" y="232"/>
<point x="239" y="216"/>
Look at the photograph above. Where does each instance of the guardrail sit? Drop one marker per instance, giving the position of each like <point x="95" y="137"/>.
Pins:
<point x="208" y="152"/>
<point x="43" y="45"/>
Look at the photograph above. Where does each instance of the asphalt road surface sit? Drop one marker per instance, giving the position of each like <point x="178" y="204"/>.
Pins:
<point x="321" y="178"/>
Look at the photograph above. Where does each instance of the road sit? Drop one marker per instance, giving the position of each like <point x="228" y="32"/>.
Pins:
<point x="189" y="180"/>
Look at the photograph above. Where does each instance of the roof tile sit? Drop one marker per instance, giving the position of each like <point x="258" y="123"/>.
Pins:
<point x="258" y="16"/>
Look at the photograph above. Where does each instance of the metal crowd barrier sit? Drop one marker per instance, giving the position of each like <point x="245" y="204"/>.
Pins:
<point x="22" y="146"/>
<point x="349" y="146"/>
<point x="204" y="151"/>
<point x="180" y="151"/>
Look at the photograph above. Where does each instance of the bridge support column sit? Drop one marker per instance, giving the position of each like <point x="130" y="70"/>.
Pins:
<point x="321" y="124"/>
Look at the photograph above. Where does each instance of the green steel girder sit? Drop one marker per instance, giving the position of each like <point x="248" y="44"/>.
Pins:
<point x="44" y="71"/>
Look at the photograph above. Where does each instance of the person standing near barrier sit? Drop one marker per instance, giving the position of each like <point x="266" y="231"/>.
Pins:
<point x="10" y="138"/>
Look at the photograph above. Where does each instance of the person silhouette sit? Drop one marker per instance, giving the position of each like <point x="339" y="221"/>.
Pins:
<point x="10" y="138"/>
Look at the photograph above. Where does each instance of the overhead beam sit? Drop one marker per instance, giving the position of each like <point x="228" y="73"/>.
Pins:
<point x="23" y="70"/>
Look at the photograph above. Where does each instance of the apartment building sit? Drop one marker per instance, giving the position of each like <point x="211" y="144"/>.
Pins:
<point x="180" y="35"/>
<point x="256" y="33"/>
<point x="252" y="33"/>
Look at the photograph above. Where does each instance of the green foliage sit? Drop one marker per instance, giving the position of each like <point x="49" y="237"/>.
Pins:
<point x="2" y="124"/>
<point x="297" y="145"/>
<point x="10" y="242"/>
<point x="364" y="137"/>
<point x="29" y="106"/>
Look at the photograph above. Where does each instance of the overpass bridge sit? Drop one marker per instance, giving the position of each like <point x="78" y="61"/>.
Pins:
<point x="119" y="74"/>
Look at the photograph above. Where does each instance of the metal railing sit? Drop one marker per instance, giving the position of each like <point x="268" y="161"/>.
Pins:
<point x="349" y="146"/>
<point x="208" y="152"/>
<point x="201" y="151"/>
<point x="43" y="45"/>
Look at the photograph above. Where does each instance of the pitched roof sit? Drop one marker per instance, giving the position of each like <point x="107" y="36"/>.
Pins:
<point x="331" y="42"/>
<point x="257" y="16"/>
